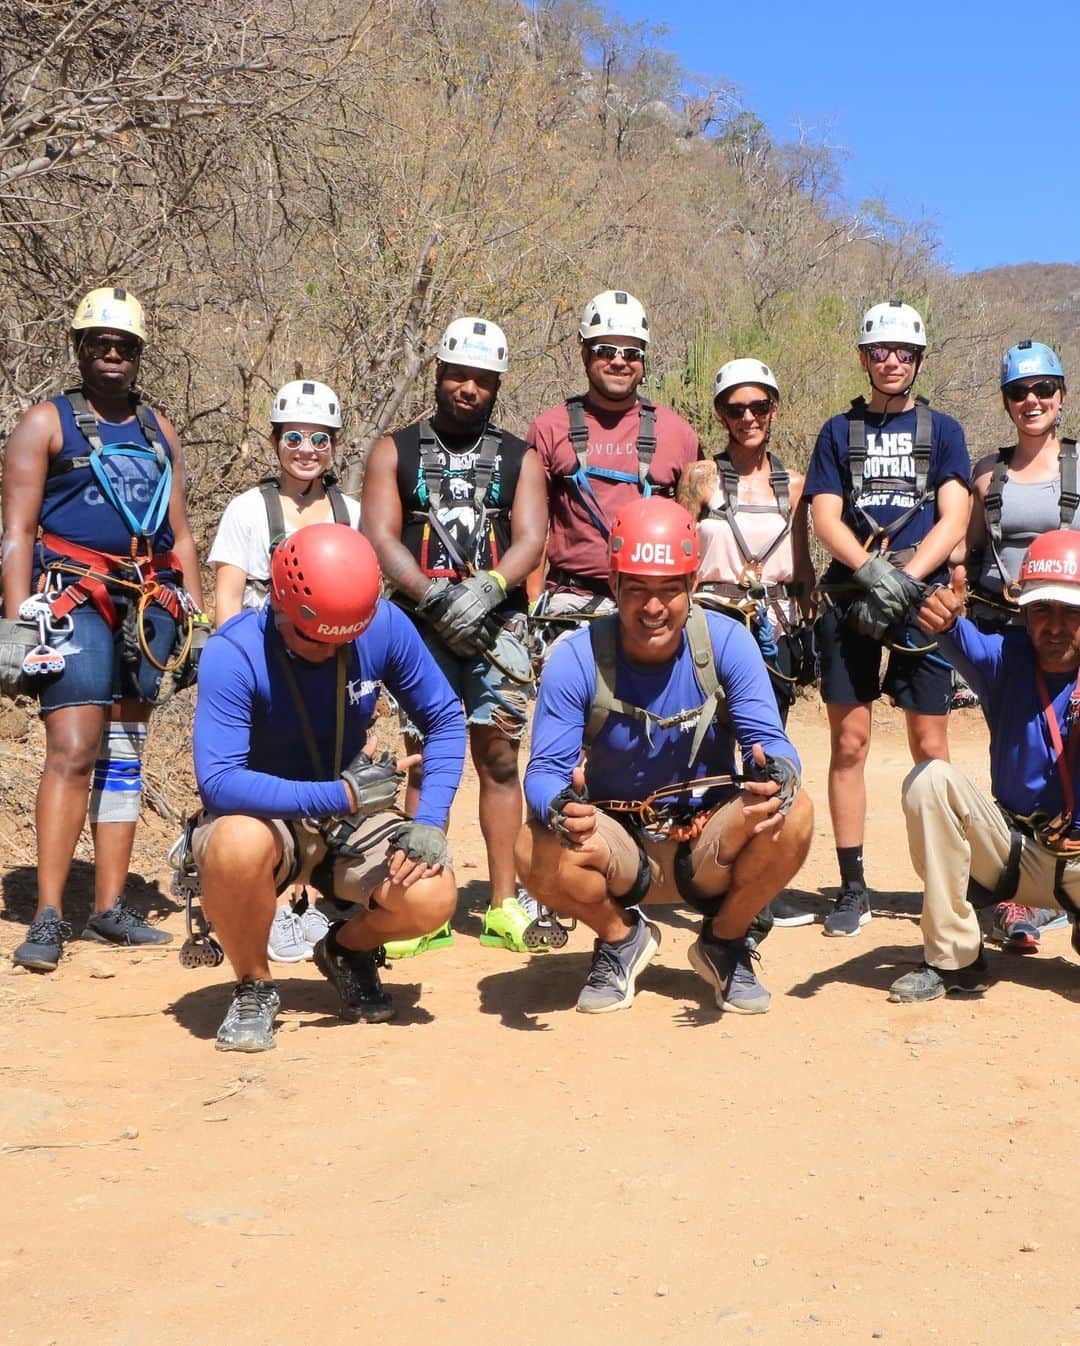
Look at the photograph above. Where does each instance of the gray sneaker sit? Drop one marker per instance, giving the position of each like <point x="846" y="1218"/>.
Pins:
<point x="249" y="1024"/>
<point x="615" y="969"/>
<point x="122" y="924"/>
<point x="851" y="912"/>
<point x="44" y="943"/>
<point x="285" y="942"/>
<point x="728" y="966"/>
<point x="931" y="983"/>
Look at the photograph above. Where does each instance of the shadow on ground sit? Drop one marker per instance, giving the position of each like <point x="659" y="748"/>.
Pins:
<point x="876" y="969"/>
<point x="201" y="1011"/>
<point x="18" y="893"/>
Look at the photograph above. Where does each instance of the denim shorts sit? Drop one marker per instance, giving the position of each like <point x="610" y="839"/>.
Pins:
<point x="490" y="696"/>
<point x="95" y="671"/>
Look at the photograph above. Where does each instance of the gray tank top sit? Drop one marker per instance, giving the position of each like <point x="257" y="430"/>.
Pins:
<point x="1028" y="509"/>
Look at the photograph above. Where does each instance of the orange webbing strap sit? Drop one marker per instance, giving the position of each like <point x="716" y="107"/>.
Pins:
<point x="97" y="569"/>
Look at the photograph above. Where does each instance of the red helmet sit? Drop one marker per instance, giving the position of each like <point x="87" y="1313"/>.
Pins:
<point x="654" y="536"/>
<point x="1050" y="572"/>
<point x="325" y="579"/>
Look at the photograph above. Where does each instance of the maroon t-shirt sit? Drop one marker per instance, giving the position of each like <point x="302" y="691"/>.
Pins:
<point x="574" y="542"/>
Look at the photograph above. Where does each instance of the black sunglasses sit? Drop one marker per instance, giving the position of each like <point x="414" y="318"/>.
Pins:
<point x="97" y="345"/>
<point x="604" y="351"/>
<point x="1044" y="390"/>
<point x="735" y="411"/>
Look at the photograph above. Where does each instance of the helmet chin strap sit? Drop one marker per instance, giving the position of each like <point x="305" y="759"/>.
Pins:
<point x="906" y="392"/>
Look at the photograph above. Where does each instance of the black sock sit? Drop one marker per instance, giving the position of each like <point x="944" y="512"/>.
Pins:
<point x="851" y="868"/>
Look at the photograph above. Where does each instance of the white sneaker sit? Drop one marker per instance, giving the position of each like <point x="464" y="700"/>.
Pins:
<point x="313" y="925"/>
<point x="287" y="943"/>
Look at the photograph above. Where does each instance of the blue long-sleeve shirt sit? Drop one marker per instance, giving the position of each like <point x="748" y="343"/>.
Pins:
<point x="251" y="754"/>
<point x="622" y="763"/>
<point x="1001" y="668"/>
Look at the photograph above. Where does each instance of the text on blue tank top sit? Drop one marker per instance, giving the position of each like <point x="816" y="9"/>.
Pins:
<point x="73" y="504"/>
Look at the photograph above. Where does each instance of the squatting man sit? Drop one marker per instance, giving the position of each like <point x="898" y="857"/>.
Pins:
<point x="658" y="693"/>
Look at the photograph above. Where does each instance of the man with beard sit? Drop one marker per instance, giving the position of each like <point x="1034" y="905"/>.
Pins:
<point x="601" y="450"/>
<point x="1022" y="842"/>
<point x="456" y="510"/>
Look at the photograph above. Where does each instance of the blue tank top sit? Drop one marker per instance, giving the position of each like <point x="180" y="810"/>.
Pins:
<point x="73" y="506"/>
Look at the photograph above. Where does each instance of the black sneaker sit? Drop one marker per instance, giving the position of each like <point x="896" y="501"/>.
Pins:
<point x="354" y="974"/>
<point x="851" y="912"/>
<point x="249" y="1024"/>
<point x="787" y="912"/>
<point x="930" y="983"/>
<point x="40" y="951"/>
<point x="728" y="966"/>
<point x="121" y="924"/>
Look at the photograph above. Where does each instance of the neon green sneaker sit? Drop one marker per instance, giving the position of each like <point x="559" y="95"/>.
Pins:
<point x="409" y="948"/>
<point x="504" y="926"/>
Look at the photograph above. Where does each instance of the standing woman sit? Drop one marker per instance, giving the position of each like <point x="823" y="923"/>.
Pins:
<point x="304" y="423"/>
<point x="95" y="526"/>
<point x="755" y="552"/>
<point x="1021" y="491"/>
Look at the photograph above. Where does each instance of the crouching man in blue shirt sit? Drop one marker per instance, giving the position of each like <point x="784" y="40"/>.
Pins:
<point x="286" y="700"/>
<point x="1024" y="844"/>
<point x="657" y="694"/>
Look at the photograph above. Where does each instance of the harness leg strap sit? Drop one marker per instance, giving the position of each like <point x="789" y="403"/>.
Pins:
<point x="642" y="883"/>
<point x="1008" y="880"/>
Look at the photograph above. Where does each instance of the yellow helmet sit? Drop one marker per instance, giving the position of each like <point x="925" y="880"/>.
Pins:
<point x="111" y="307"/>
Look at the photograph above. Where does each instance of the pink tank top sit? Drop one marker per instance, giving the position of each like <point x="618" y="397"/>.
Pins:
<point x="723" y="562"/>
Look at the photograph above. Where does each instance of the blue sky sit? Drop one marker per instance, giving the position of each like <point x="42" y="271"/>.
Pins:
<point x="967" y="115"/>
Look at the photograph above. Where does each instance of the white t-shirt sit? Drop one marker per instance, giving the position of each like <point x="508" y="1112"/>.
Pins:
<point x="243" y="539"/>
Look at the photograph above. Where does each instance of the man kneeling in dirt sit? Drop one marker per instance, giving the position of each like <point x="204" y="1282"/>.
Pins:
<point x="1023" y="845"/>
<point x="286" y="700"/>
<point x="657" y="693"/>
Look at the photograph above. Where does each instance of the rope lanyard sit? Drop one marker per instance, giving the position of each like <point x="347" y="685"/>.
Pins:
<point x="1065" y="751"/>
<point x="305" y="719"/>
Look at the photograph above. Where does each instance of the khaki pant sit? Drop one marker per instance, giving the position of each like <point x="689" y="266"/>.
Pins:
<point x="354" y="879"/>
<point x="956" y="833"/>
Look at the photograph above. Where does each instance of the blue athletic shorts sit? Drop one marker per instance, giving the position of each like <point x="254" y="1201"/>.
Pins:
<point x="851" y="669"/>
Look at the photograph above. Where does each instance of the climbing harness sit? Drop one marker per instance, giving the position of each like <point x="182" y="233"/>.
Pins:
<point x="579" y="442"/>
<point x="676" y="812"/>
<point x="880" y="536"/>
<point x="602" y="633"/>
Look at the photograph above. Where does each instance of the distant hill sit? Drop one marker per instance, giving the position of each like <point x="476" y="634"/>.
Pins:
<point x="1049" y="293"/>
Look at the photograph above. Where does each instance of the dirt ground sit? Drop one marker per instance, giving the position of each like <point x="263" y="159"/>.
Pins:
<point x="492" y="1165"/>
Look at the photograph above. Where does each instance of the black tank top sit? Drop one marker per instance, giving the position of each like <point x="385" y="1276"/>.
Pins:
<point x="483" y="546"/>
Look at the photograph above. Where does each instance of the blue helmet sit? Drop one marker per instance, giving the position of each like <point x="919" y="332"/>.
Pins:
<point x="1029" y="359"/>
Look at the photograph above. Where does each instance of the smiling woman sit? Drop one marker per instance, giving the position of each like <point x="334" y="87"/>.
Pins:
<point x="1023" y="490"/>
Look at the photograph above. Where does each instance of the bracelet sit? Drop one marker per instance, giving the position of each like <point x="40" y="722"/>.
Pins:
<point x="499" y="578"/>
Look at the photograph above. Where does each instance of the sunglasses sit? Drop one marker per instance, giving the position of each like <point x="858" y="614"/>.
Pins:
<point x="96" y="345"/>
<point x="1044" y="390"/>
<point x="907" y="355"/>
<point x="603" y="351"/>
<point x="319" y="441"/>
<point x="735" y="411"/>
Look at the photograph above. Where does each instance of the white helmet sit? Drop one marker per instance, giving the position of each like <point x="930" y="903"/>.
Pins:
<point x="476" y="344"/>
<point x="614" y="313"/>
<point x="306" y="401"/>
<point x="737" y="372"/>
<point x="111" y="307"/>
<point x="893" y="321"/>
